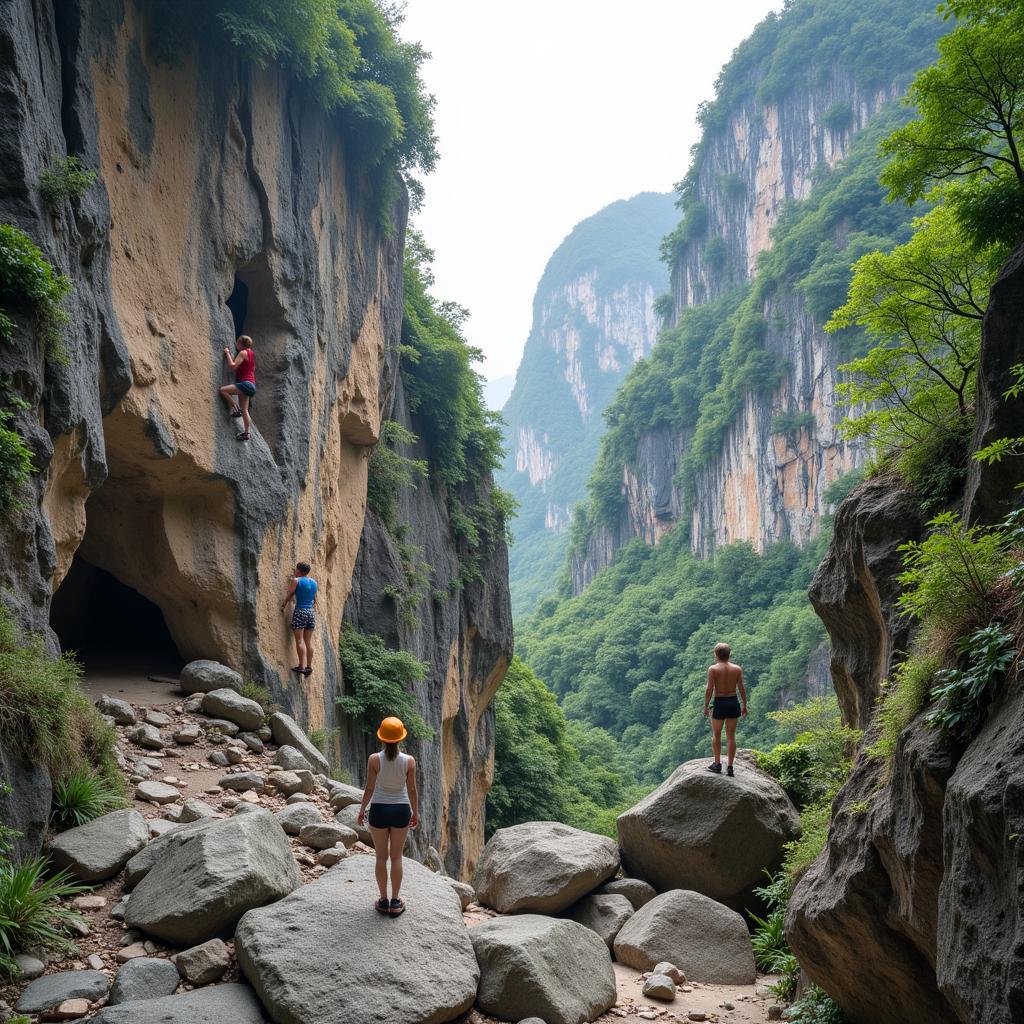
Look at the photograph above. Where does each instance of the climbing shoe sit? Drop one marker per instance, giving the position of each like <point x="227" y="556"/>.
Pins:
<point x="397" y="907"/>
<point x="243" y="437"/>
<point x="716" y="767"/>
<point x="236" y="413"/>
<point x="729" y="771"/>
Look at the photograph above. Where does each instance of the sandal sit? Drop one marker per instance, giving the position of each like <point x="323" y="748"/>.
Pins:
<point x="306" y="671"/>
<point x="299" y="670"/>
<point x="397" y="907"/>
<point x="716" y="767"/>
<point x="243" y="437"/>
<point x="382" y="906"/>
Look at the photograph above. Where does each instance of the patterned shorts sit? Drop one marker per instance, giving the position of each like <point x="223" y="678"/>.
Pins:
<point x="303" y="618"/>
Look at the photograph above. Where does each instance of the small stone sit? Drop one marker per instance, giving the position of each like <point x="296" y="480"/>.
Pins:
<point x="728" y="1006"/>
<point x="305" y="859"/>
<point x="234" y="756"/>
<point x="660" y="986"/>
<point x="219" y="758"/>
<point x="647" y="1015"/>
<point x="78" y="926"/>
<point x="171" y="780"/>
<point x="242" y="781"/>
<point x="221" y="725"/>
<point x="286" y="782"/>
<point x="194" y="705"/>
<point x="70" y="1009"/>
<point x="251" y="797"/>
<point x="130" y="935"/>
<point x="130" y="952"/>
<point x="141" y="770"/>
<point x="323" y="835"/>
<point x="670" y="971"/>
<point x="91" y="902"/>
<point x="299" y="798"/>
<point x="158" y="718"/>
<point x="229" y="802"/>
<point x="328" y="858"/>
<point x="686" y="988"/>
<point x="775" y="1012"/>
<point x="29" y="967"/>
<point x="144" y="978"/>
<point x="252" y="741"/>
<point x="696" y="1015"/>
<point x="95" y="962"/>
<point x="147" y="736"/>
<point x="204" y="963"/>
<point x="119" y="710"/>
<point x="188" y="734"/>
<point x="156" y="792"/>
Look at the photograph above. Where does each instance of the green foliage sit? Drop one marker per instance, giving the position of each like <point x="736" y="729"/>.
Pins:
<point x="349" y="54"/>
<point x="43" y="713"/>
<point x="260" y="694"/>
<point x="792" y="423"/>
<point x="630" y="654"/>
<point x="31" y="913"/>
<point x="63" y="180"/>
<point x="790" y="763"/>
<point x="838" y="117"/>
<point x="904" y="695"/>
<point x="961" y="694"/>
<point x="815" y="1007"/>
<point x="732" y="186"/>
<point x="16" y="465"/>
<point x="715" y="253"/>
<point x="801" y="853"/>
<point x="837" y="491"/>
<point x="547" y="769"/>
<point x="29" y="283"/>
<point x="377" y="682"/>
<point x="771" y="951"/>
<point x="389" y="471"/>
<point x="81" y="795"/>
<point x="970" y="123"/>
<point x="324" y="740"/>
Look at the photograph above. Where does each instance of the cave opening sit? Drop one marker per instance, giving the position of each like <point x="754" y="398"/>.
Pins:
<point x="109" y="625"/>
<point x="238" y="303"/>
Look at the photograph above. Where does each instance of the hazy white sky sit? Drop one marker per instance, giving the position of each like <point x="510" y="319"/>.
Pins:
<point x="548" y="110"/>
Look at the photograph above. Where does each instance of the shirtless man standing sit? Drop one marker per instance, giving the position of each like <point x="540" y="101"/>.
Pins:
<point x="724" y="679"/>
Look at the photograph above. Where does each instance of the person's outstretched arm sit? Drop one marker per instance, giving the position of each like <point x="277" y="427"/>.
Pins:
<point x="235" y="361"/>
<point x="414" y="797"/>
<point x="743" y="692"/>
<point x="371" y="782"/>
<point x="708" y="690"/>
<point x="292" y="584"/>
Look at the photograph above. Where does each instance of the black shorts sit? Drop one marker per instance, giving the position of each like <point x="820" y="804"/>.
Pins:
<point x="390" y="815"/>
<point x="726" y="707"/>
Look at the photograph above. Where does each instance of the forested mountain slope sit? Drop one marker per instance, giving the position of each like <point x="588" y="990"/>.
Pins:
<point x="593" y="317"/>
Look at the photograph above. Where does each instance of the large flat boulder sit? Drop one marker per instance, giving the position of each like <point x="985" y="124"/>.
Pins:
<point x="140" y="865"/>
<point x="204" y="676"/>
<point x="705" y="939"/>
<point x="144" y="978"/>
<point x="534" y="966"/>
<point x="288" y="733"/>
<point x="542" y="866"/>
<point x="220" y="1004"/>
<point x="323" y="955"/>
<point x="709" y="833"/>
<point x="231" y="705"/>
<point x="210" y="876"/>
<point x="99" y="849"/>
<point x="603" y="913"/>
<point x="52" y="989"/>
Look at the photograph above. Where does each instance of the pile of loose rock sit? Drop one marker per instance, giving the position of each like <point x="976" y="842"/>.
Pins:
<point x="250" y="898"/>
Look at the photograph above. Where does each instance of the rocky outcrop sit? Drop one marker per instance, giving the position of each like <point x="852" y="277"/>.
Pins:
<point x="99" y="849"/>
<point x="24" y="802"/>
<point x="220" y="1004"/>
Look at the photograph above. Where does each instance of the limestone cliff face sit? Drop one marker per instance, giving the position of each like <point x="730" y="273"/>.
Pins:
<point x="919" y="886"/>
<point x="593" y="318"/>
<point x="214" y="179"/>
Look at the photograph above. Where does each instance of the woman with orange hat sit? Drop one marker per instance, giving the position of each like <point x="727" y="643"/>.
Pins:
<point x="391" y="793"/>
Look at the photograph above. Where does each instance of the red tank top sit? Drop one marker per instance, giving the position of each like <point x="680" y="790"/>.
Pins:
<point x="246" y="369"/>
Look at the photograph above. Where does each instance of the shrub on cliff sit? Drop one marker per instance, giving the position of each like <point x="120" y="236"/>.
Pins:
<point x="28" y="282"/>
<point x="389" y="471"/>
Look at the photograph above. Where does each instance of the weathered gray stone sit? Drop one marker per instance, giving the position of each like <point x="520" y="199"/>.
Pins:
<point x="195" y="809"/>
<point x="349" y="817"/>
<point x="222" y="725"/>
<point x="465" y="892"/>
<point x="541" y="966"/>
<point x="119" y="710"/>
<point x="240" y="782"/>
<point x="299" y="798"/>
<point x="52" y="989"/>
<point x="660" y="986"/>
<point x="188" y="734"/>
<point x="252" y="741"/>
<point x="415" y="969"/>
<point x="204" y="963"/>
<point x="296" y="816"/>
<point x="25" y="802"/>
<point x="637" y="891"/>
<point x="287" y="732"/>
<point x="157" y="718"/>
<point x="343" y="795"/>
<point x="291" y="759"/>
<point x="687" y="928"/>
<point x="205" y="676"/>
<point x="604" y="914"/>
<point x="99" y="849"/>
<point x="147" y="736"/>
<point x="708" y="833"/>
<point x="287" y="783"/>
<point x="29" y="968"/>
<point x="221" y="1004"/>
<point x="227" y="703"/>
<point x="328" y="858"/>
<point x="209" y="876"/>
<point x="156" y="792"/>
<point x="137" y="868"/>
<point x="542" y="866"/>
<point x="323" y="835"/>
<point x="144" y="978"/>
<point x="219" y="758"/>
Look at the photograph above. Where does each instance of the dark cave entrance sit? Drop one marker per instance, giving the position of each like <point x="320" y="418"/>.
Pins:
<point x="238" y="303"/>
<point x="109" y="625"/>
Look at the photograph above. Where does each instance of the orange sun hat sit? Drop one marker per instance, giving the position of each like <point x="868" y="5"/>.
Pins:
<point x="392" y="730"/>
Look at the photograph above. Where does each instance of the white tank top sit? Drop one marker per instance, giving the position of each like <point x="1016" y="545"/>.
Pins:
<point x="391" y="786"/>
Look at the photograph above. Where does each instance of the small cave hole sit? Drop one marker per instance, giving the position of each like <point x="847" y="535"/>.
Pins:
<point x="238" y="303"/>
<point x="110" y="626"/>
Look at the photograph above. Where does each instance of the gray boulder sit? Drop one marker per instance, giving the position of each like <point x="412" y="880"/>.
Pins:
<point x="291" y="759"/>
<point x="252" y="741"/>
<point x="29" y="968"/>
<point x="205" y="676"/>
<point x="349" y="817"/>
<point x="297" y="816"/>
<point x="604" y="914"/>
<point x="637" y="891"/>
<point x="465" y="892"/>
<point x="25" y="803"/>
<point x="660" y="986"/>
<point x="287" y="732"/>
<point x="144" y="978"/>
<point x="708" y="833"/>
<point x="119" y="710"/>
<point x="195" y="809"/>
<point x="222" y="1004"/>
<point x="52" y="989"/>
<point x="205" y="963"/>
<point x="209" y="876"/>
<point x="139" y="866"/>
<point x="241" y="782"/>
<point x="541" y="966"/>
<point x="147" y="736"/>
<point x="415" y="969"/>
<point x="220" y="725"/>
<point x="323" y="836"/>
<point x="683" y="927"/>
<point x="542" y="866"/>
<point x="342" y="795"/>
<point x="156" y="792"/>
<point x="290" y="782"/>
<point x="188" y="734"/>
<point x="99" y="849"/>
<point x="229" y="704"/>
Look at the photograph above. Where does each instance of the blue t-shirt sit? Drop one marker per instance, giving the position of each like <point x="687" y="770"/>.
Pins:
<point x="305" y="591"/>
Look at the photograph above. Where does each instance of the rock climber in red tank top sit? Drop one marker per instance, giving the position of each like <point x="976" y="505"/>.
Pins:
<point x="239" y="394"/>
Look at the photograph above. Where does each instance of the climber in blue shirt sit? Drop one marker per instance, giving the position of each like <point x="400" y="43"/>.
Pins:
<point x="302" y="590"/>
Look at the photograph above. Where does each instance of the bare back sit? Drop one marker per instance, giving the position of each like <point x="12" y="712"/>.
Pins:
<point x="725" y="677"/>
